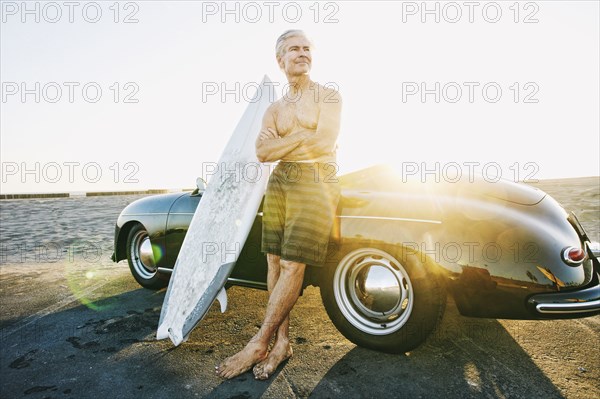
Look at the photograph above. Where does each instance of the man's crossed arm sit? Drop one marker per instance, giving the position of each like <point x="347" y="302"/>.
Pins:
<point x="304" y="144"/>
<point x="269" y="146"/>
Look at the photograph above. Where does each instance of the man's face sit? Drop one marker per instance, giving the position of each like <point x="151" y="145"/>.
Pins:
<point x="297" y="59"/>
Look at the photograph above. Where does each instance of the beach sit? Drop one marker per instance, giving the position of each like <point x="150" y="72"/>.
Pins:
<point x="74" y="324"/>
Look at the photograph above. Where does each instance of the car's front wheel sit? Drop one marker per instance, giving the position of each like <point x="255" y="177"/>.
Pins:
<point x="381" y="303"/>
<point x="141" y="259"/>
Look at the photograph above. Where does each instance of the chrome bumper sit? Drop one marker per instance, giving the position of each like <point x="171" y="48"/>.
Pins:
<point x="575" y="307"/>
<point x="594" y="248"/>
<point x="580" y="303"/>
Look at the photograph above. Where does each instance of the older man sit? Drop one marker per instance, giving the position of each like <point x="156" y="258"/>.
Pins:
<point x="300" y="130"/>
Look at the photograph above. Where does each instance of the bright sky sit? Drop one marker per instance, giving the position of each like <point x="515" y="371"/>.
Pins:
<point x="517" y="86"/>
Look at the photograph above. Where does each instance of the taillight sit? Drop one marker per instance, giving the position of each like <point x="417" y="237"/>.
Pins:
<point x="573" y="255"/>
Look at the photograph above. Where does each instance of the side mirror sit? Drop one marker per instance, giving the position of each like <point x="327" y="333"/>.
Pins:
<point x="200" y="187"/>
<point x="200" y="184"/>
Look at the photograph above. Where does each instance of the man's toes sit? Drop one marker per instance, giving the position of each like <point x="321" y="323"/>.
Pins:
<point x="222" y="369"/>
<point x="263" y="375"/>
<point x="265" y="372"/>
<point x="227" y="374"/>
<point x="257" y="370"/>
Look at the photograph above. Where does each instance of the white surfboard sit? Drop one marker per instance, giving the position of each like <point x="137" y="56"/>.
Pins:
<point x="219" y="227"/>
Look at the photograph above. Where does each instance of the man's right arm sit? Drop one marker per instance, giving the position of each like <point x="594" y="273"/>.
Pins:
<point x="269" y="146"/>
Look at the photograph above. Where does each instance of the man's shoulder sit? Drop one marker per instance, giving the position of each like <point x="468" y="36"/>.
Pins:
<point x="272" y="109"/>
<point x="329" y="92"/>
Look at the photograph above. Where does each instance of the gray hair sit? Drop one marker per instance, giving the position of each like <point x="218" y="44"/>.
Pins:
<point x="279" y="46"/>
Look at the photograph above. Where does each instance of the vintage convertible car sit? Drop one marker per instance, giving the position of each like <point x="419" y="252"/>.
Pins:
<point x="502" y="250"/>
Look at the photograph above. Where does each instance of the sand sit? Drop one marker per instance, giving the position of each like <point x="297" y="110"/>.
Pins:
<point x="581" y="196"/>
<point x="53" y="229"/>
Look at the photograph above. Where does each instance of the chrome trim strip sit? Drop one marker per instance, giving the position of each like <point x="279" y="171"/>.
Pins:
<point x="239" y="280"/>
<point x="230" y="279"/>
<point x="575" y="307"/>
<point x="390" y="218"/>
<point x="169" y="213"/>
<point x="145" y="214"/>
<point x="250" y="282"/>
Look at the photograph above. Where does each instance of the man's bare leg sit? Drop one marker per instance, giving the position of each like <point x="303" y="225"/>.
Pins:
<point x="282" y="299"/>
<point x="281" y="349"/>
<point x="272" y="276"/>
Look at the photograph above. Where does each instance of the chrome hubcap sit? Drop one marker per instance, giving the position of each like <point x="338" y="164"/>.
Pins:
<point x="143" y="258"/>
<point x="373" y="291"/>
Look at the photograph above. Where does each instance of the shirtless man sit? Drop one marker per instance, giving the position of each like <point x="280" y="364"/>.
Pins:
<point x="300" y="130"/>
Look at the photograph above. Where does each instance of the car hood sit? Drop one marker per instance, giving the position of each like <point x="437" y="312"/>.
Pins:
<point x="383" y="178"/>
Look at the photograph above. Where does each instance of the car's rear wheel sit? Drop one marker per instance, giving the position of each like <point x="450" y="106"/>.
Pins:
<point x="141" y="259"/>
<point x="381" y="303"/>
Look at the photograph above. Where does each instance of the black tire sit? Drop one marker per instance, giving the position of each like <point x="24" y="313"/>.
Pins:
<point x="141" y="259"/>
<point x="380" y="303"/>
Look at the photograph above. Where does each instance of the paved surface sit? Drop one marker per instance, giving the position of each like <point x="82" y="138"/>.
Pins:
<point x="75" y="325"/>
<point x="71" y="331"/>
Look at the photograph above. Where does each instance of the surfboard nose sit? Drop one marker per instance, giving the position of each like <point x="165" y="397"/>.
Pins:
<point x="162" y="332"/>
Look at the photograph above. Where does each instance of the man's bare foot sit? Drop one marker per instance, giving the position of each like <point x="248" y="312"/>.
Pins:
<point x="241" y="361"/>
<point x="281" y="350"/>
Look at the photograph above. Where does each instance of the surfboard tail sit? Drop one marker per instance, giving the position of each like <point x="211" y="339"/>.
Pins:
<point x="215" y="289"/>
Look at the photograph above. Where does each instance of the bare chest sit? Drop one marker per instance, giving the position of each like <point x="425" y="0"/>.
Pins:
<point x="297" y="115"/>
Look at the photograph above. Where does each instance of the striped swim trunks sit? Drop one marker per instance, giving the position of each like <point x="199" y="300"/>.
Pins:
<point x="299" y="211"/>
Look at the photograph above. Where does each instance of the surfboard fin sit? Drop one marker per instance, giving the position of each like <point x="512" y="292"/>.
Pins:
<point x="222" y="298"/>
<point x="175" y="336"/>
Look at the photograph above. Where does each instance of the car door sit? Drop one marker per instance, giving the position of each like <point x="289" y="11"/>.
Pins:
<point x="251" y="267"/>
